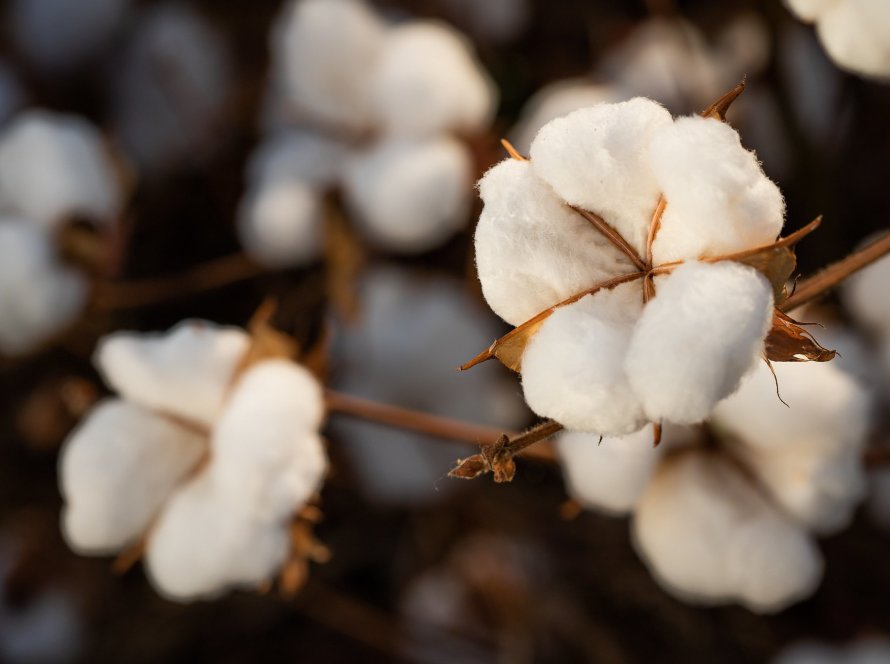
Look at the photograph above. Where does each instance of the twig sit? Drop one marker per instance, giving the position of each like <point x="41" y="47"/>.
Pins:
<point x="820" y="283"/>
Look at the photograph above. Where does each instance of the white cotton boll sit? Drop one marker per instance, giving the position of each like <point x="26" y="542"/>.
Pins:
<point x="59" y="35"/>
<point x="54" y="166"/>
<point x="116" y="470"/>
<point x="556" y="100"/>
<point x="171" y="88"/>
<point x="697" y="338"/>
<point x="266" y="450"/>
<point x="532" y="251"/>
<point x="609" y="475"/>
<point x="38" y="296"/>
<point x="185" y="372"/>
<point x="856" y="34"/>
<point x="290" y="154"/>
<point x="326" y="51"/>
<point x="710" y="538"/>
<point x="810" y="10"/>
<point x="718" y="199"/>
<point x="281" y="223"/>
<point x="206" y="542"/>
<point x="865" y="296"/>
<point x="410" y="196"/>
<point x="597" y="158"/>
<point x="573" y="368"/>
<point x="428" y="82"/>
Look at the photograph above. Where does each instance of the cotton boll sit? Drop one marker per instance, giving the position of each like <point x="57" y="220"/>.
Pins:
<point x="532" y="251"/>
<point x="266" y="452"/>
<point x="326" y="51"/>
<point x="697" y="338"/>
<point x="427" y="82"/>
<point x="38" y="296"/>
<point x="171" y="88"/>
<point x="709" y="537"/>
<point x="281" y="223"/>
<point x="609" y="474"/>
<point x="556" y="100"/>
<point x="855" y="35"/>
<point x="290" y="154"/>
<point x="597" y="158"/>
<point x="430" y="324"/>
<point x="718" y="199"/>
<point x="59" y="35"/>
<point x="206" y="542"/>
<point x="116" y="470"/>
<point x="410" y="196"/>
<point x="573" y="368"/>
<point x="809" y="10"/>
<point x="865" y="296"/>
<point x="185" y="372"/>
<point x="54" y="166"/>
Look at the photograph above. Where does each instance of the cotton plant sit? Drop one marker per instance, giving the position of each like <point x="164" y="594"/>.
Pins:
<point x="427" y="323"/>
<point x="54" y="168"/>
<point x="205" y="461"/>
<point x="378" y="122"/>
<point x="854" y="33"/>
<point x="730" y="514"/>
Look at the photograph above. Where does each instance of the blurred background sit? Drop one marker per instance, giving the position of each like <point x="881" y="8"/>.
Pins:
<point x="423" y="569"/>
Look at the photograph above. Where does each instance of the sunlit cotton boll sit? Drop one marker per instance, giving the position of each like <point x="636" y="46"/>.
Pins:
<point x="60" y="35"/>
<point x="431" y="324"/>
<point x="54" y="167"/>
<point x="410" y="195"/>
<point x="710" y="536"/>
<point x="428" y="82"/>
<point x="207" y="458"/>
<point x="855" y="33"/>
<point x="171" y="88"/>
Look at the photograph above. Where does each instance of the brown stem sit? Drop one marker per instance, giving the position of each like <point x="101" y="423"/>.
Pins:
<point x="539" y="432"/>
<point x="821" y="282"/>
<point x="654" y="227"/>
<point x="204" y="277"/>
<point x="512" y="151"/>
<point x="613" y="236"/>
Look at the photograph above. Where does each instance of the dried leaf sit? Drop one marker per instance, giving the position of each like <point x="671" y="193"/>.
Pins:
<point x="719" y="108"/>
<point x="470" y="468"/>
<point x="787" y="341"/>
<point x="265" y="341"/>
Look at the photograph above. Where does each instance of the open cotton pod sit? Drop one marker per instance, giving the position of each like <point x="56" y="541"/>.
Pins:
<point x="205" y="459"/>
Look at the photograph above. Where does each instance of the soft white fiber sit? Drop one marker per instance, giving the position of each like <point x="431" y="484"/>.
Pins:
<point x="710" y="537"/>
<point x="573" y="368"/>
<point x="281" y="223"/>
<point x="54" y="166"/>
<point x="697" y="338"/>
<point x="532" y="251"/>
<point x="597" y="158"/>
<point x="609" y="474"/>
<point x="326" y="50"/>
<point x="117" y="469"/>
<point x="428" y="82"/>
<point x="185" y="372"/>
<point x="410" y="196"/>
<point x="38" y="295"/>
<point x="718" y="199"/>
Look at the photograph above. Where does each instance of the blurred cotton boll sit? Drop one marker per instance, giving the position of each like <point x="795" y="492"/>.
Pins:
<point x="412" y="335"/>
<point x="171" y="87"/>
<point x="208" y="457"/>
<point x="410" y="196"/>
<point x="60" y="35"/>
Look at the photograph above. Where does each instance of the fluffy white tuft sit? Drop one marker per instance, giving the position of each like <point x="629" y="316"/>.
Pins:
<point x="697" y="338"/>
<point x="281" y="223"/>
<point x="718" y="199"/>
<point x="185" y="372"/>
<point x="54" y="166"/>
<point x="598" y="159"/>
<point x="410" y="196"/>
<point x="116" y="470"/>
<point x="856" y="35"/>
<point x="710" y="537"/>
<point x="573" y="368"/>
<point x="427" y="82"/>
<point x="532" y="251"/>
